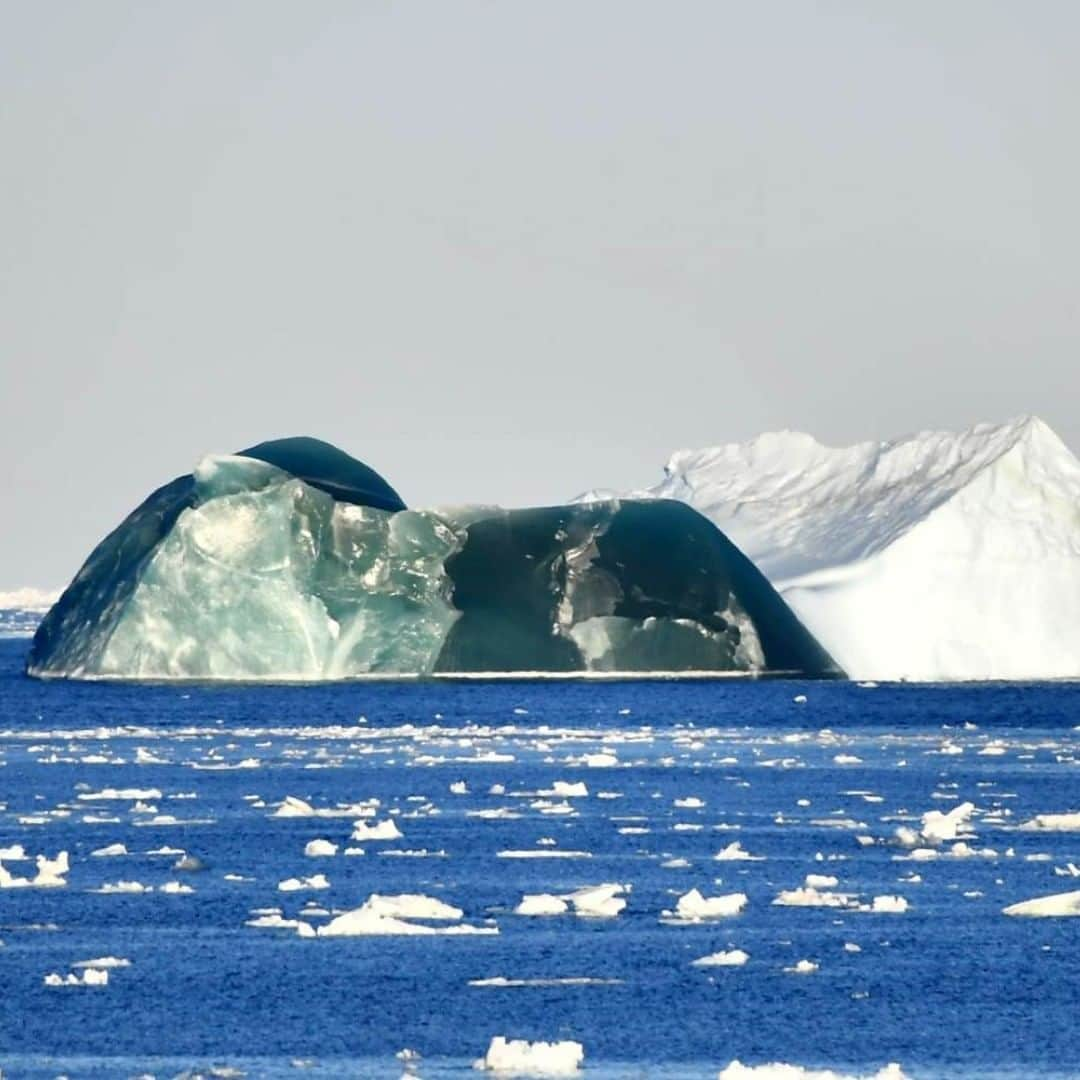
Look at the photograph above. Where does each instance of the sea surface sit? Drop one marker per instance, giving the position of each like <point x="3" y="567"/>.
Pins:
<point x="807" y="777"/>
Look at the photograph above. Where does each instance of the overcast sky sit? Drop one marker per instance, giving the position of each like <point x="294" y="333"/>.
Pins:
<point x="508" y="251"/>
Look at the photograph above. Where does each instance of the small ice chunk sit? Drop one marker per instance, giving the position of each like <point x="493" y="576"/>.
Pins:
<point x="691" y="802"/>
<point x="89" y="977"/>
<point x="103" y="962"/>
<point x="316" y="881"/>
<point x="735" y="852"/>
<point x="811" y="897"/>
<point x="599" y="901"/>
<point x="541" y="904"/>
<point x="518" y="1057"/>
<point x="317" y="848"/>
<point x="894" y="905"/>
<point x="695" y="907"/>
<point x="803" y="967"/>
<point x="382" y="830"/>
<point x="177" y="888"/>
<point x="110" y="850"/>
<point x="732" y="958"/>
<point x="459" y="787"/>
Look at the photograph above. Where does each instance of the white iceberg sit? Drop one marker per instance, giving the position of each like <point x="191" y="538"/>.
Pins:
<point x="320" y="848"/>
<point x="981" y="526"/>
<point x="518" y="1057"/>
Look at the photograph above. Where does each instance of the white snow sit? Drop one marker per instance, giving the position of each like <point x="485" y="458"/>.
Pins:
<point x="1060" y="904"/>
<point x="518" y="1057"/>
<point x="935" y="556"/>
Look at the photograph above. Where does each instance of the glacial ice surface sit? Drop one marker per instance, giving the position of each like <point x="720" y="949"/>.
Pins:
<point x="287" y="564"/>
<point x="938" y="556"/>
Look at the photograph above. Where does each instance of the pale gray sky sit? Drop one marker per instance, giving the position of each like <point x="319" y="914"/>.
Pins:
<point x="508" y="251"/>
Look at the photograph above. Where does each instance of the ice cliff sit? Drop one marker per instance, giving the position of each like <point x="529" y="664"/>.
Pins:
<point x="293" y="561"/>
<point x="936" y="556"/>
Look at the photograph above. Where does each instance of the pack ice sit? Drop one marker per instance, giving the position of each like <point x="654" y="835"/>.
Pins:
<point x="937" y="556"/>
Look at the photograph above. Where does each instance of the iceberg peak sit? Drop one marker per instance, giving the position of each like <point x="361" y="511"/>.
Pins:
<point x="937" y="555"/>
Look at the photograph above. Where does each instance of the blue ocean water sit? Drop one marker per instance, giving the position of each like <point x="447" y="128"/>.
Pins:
<point x="951" y="987"/>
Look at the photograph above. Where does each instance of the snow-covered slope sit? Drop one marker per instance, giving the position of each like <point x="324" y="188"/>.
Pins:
<point x="935" y="556"/>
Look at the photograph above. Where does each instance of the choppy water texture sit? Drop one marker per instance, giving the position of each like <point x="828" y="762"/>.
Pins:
<point x="949" y="987"/>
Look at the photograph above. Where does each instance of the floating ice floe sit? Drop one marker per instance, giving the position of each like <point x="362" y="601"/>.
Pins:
<point x="120" y="795"/>
<point x="1052" y="823"/>
<point x="599" y="901"/>
<point x="382" y="830"/>
<point x="691" y="802"/>
<point x="808" y="896"/>
<point x="543" y="853"/>
<point x="1057" y="905"/>
<point x="176" y="888"/>
<point x="109" y="851"/>
<point x="316" y="881"/>
<point x="103" y="962"/>
<point x="318" y="848"/>
<point x="519" y="1057"/>
<point x="939" y="827"/>
<point x="803" y="967"/>
<point x="132" y="887"/>
<point x="501" y="982"/>
<point x="781" y="1071"/>
<point x="735" y="852"/>
<point x="50" y="874"/>
<point x="731" y="958"/>
<point x="89" y="977"/>
<point x="891" y="905"/>
<point x="692" y="907"/>
<point x="541" y="904"/>
<point x="292" y="807"/>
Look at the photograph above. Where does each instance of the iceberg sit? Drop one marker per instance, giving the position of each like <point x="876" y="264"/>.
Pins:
<point x="292" y="561"/>
<point x="938" y="556"/>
